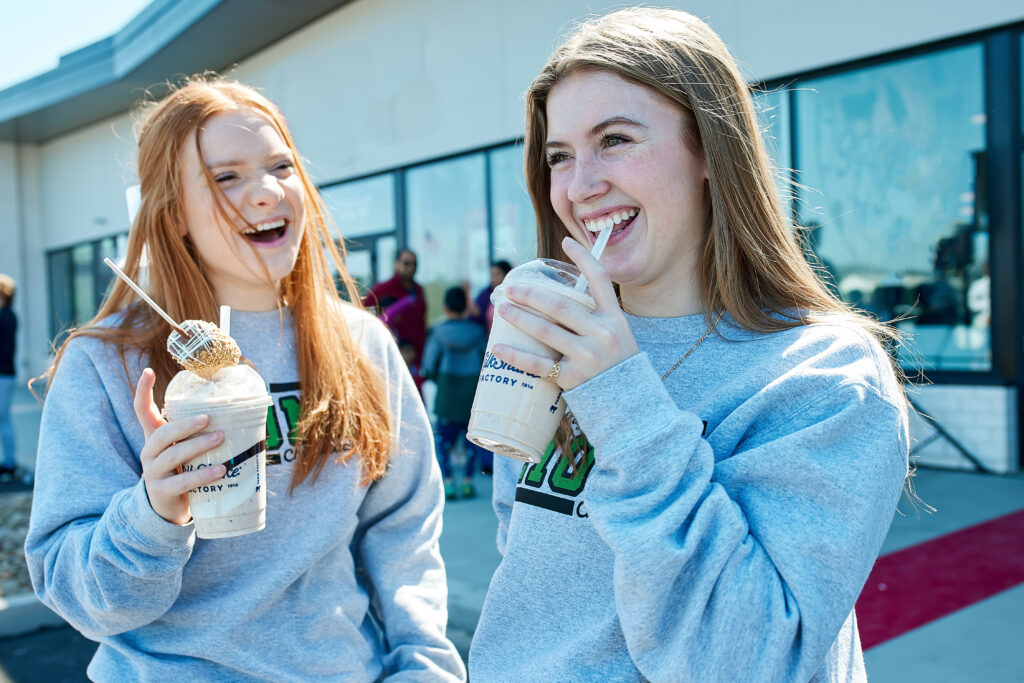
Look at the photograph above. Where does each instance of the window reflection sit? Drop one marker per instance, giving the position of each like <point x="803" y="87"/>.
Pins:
<point x="79" y="280"/>
<point x="447" y="226"/>
<point x="515" y="227"/>
<point x="362" y="207"/>
<point x="773" y="116"/>
<point x="83" y="283"/>
<point x="895" y="157"/>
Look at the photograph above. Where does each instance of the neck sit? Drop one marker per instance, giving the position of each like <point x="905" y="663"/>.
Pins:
<point x="247" y="299"/>
<point x="648" y="303"/>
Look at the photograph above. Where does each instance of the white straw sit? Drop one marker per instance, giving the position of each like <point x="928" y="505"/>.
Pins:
<point x="596" y="252"/>
<point x="225" y="320"/>
<point x="145" y="297"/>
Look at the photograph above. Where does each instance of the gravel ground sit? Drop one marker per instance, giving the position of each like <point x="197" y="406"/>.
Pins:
<point x="14" y="512"/>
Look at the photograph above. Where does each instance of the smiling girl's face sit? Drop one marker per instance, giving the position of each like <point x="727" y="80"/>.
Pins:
<point x="618" y="157"/>
<point x="255" y="168"/>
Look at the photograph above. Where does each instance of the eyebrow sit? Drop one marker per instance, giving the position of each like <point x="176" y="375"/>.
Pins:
<point x="283" y="154"/>
<point x="599" y="128"/>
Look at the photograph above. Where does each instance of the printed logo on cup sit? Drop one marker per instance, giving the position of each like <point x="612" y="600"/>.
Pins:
<point x="498" y="371"/>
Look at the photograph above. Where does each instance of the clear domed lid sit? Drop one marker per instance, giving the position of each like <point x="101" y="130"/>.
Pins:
<point x="234" y="384"/>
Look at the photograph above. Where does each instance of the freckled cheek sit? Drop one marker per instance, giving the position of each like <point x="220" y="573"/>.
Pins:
<point x="559" y="197"/>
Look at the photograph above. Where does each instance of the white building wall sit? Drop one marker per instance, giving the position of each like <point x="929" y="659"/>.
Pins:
<point x="83" y="176"/>
<point x="32" y="303"/>
<point x="384" y="83"/>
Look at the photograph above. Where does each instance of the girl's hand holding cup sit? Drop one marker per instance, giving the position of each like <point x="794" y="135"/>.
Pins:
<point x="590" y="343"/>
<point x="169" y="445"/>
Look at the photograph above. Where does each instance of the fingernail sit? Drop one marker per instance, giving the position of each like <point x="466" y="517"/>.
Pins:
<point x="199" y="420"/>
<point x="214" y="437"/>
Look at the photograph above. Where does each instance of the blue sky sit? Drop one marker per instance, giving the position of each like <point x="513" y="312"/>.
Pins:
<point x="38" y="32"/>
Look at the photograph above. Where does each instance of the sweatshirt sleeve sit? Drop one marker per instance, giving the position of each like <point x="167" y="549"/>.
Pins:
<point x="506" y="474"/>
<point x="97" y="552"/>
<point x="400" y="522"/>
<point x="751" y="564"/>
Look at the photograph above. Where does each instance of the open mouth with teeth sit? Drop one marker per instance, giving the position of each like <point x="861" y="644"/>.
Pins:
<point x="618" y="221"/>
<point x="267" y="233"/>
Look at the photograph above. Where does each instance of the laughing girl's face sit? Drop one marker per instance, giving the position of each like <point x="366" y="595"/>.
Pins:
<point x="255" y="168"/>
<point x="618" y="158"/>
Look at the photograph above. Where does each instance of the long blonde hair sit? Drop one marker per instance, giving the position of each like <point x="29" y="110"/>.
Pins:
<point x="344" y="405"/>
<point x="751" y="265"/>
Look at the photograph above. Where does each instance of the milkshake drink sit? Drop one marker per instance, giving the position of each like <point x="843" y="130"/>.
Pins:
<point x="236" y="400"/>
<point x="516" y="413"/>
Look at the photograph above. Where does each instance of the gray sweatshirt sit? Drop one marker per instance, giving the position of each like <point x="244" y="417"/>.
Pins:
<point x="346" y="581"/>
<point x="723" y="524"/>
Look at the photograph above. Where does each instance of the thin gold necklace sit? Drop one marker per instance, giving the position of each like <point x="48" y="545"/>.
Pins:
<point x="693" y="348"/>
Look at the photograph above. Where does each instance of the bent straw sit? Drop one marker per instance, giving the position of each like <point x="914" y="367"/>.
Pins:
<point x="145" y="297"/>
<point x="596" y="252"/>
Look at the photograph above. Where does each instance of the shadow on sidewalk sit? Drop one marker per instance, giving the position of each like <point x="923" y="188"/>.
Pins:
<point x="57" y="655"/>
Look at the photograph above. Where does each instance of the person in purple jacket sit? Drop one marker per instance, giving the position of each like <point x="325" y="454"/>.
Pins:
<point x="482" y="311"/>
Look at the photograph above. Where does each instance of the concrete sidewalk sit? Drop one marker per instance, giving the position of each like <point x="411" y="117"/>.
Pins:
<point x="977" y="643"/>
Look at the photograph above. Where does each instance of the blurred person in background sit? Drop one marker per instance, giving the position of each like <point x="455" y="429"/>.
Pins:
<point x="481" y="310"/>
<point x="452" y="360"/>
<point x="8" y="331"/>
<point x="401" y="304"/>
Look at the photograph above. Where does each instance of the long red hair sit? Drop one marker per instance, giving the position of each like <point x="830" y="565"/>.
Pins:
<point x="344" y="405"/>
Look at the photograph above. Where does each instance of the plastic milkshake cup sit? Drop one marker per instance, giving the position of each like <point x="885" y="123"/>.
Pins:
<point x="516" y="413"/>
<point x="236" y="400"/>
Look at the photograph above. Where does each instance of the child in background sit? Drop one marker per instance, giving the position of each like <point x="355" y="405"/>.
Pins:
<point x="452" y="359"/>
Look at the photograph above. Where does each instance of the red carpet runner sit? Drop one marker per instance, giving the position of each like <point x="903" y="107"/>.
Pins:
<point x="916" y="585"/>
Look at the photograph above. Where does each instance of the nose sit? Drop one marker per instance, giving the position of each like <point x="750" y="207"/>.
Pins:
<point x="587" y="182"/>
<point x="266" y="191"/>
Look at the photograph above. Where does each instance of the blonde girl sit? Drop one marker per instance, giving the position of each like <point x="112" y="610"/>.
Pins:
<point x="739" y="439"/>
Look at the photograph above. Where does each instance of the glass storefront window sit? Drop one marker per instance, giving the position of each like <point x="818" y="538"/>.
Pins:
<point x="387" y="252"/>
<point x="360" y="268"/>
<point x="446" y="215"/>
<point x="78" y="281"/>
<point x="83" y="282"/>
<point x="773" y="115"/>
<point x="515" y="227"/>
<point x="362" y="207"/>
<point x="891" y="163"/>
<point x="58" y="265"/>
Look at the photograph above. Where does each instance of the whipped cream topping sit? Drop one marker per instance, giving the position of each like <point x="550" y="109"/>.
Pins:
<point x="234" y="383"/>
